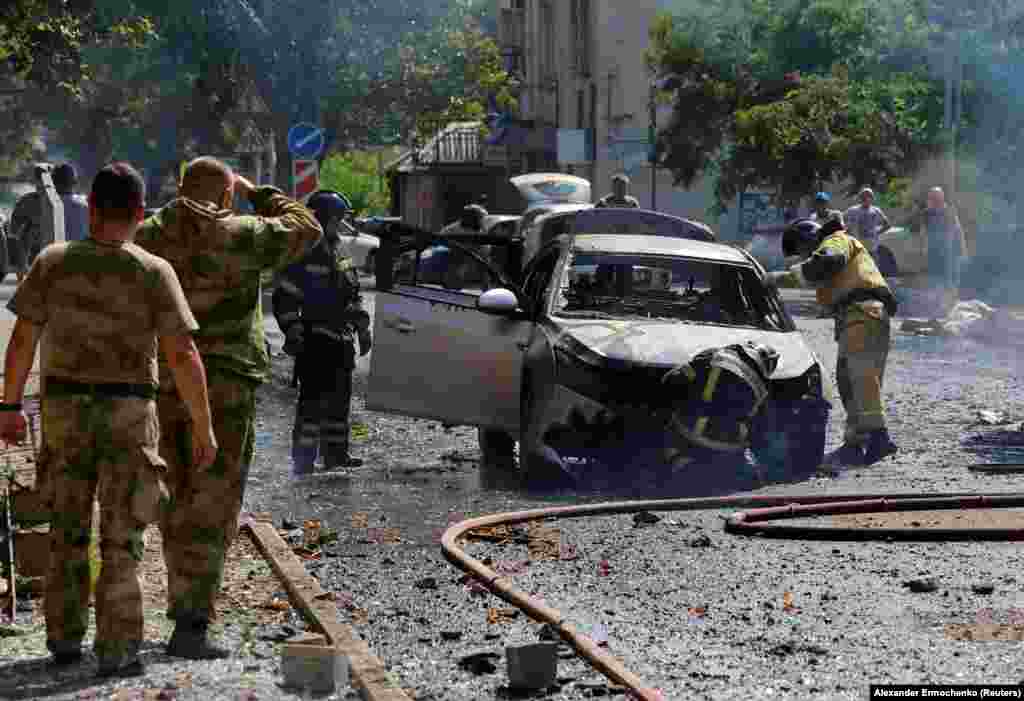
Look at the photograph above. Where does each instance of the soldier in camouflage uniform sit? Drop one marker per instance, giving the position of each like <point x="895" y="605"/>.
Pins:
<point x="318" y="307"/>
<point x="103" y="303"/>
<point x="220" y="258"/>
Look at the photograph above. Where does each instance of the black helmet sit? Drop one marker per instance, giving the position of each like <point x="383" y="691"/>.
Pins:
<point x="800" y="237"/>
<point x="328" y="205"/>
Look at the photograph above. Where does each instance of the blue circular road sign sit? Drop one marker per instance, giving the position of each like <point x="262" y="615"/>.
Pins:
<point x="306" y="140"/>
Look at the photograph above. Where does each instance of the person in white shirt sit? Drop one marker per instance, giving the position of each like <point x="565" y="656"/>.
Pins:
<point x="76" y="207"/>
<point x="866" y="221"/>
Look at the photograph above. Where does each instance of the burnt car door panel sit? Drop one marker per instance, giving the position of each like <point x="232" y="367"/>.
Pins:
<point x="436" y="355"/>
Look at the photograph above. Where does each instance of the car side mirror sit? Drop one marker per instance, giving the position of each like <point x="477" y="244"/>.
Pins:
<point x="498" y="301"/>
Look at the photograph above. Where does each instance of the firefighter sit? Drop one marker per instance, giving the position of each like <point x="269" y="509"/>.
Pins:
<point x="318" y="307"/>
<point x="848" y="281"/>
<point x="619" y="196"/>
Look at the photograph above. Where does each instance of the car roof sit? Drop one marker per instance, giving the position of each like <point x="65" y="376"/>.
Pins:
<point x="659" y="245"/>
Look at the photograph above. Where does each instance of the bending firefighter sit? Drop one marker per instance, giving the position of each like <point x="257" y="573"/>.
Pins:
<point x="848" y="282"/>
<point x="318" y="306"/>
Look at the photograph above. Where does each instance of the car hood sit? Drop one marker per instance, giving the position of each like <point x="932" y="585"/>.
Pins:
<point x="671" y="344"/>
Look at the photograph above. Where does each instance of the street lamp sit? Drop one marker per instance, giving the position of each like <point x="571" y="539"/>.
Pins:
<point x="669" y="82"/>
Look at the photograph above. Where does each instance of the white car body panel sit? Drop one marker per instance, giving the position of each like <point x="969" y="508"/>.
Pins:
<point x="436" y="356"/>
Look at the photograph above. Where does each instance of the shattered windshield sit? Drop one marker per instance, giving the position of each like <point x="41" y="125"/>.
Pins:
<point x="659" y="287"/>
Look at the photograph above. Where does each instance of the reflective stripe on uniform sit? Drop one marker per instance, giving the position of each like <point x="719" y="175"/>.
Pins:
<point x="328" y="332"/>
<point x="317" y="269"/>
<point x="291" y="288"/>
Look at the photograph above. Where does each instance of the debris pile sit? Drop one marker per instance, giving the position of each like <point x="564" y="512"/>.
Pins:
<point x="971" y="319"/>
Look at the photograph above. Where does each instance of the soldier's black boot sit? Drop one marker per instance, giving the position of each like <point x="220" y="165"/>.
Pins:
<point x="119" y="660"/>
<point x="65" y="652"/>
<point x="191" y="640"/>
<point x="879" y="447"/>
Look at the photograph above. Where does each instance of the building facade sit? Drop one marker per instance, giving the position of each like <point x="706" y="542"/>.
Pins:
<point x="585" y="81"/>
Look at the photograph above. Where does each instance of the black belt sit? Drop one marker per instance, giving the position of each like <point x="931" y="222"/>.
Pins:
<point x="54" y="387"/>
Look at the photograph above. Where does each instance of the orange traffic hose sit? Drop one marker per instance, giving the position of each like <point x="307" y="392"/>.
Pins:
<point x="600" y="658"/>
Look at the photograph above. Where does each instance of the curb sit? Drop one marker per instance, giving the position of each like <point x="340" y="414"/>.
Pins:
<point x="368" y="673"/>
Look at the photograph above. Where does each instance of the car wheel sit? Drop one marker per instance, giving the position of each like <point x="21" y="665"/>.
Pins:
<point x="788" y="442"/>
<point x="536" y="462"/>
<point x="496" y="447"/>
<point x="887" y="262"/>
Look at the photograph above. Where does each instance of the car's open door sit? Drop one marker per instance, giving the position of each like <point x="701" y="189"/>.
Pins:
<point x="435" y="354"/>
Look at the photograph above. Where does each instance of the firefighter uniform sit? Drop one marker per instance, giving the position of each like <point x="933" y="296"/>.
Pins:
<point x="318" y="300"/>
<point x="848" y="282"/>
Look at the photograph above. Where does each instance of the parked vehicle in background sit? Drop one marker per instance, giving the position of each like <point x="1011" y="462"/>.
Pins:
<point x="360" y="246"/>
<point x="588" y="336"/>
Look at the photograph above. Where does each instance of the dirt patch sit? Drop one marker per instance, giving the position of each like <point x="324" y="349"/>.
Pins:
<point x="954" y="518"/>
<point x="251" y="594"/>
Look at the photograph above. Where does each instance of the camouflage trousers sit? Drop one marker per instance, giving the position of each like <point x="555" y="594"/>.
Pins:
<point x="202" y="519"/>
<point x="99" y="449"/>
<point x="864" y="332"/>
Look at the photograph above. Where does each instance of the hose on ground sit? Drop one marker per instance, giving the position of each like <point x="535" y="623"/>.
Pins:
<point x="750" y="523"/>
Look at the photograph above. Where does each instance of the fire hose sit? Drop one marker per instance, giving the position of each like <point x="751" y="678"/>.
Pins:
<point x="765" y="508"/>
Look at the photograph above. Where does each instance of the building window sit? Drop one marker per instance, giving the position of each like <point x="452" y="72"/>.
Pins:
<point x="580" y="23"/>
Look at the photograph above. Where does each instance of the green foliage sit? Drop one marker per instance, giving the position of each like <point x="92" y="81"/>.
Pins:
<point x="355" y="174"/>
<point x="792" y="95"/>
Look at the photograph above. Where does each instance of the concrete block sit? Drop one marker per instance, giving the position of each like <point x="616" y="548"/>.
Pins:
<point x="307" y="639"/>
<point x="319" y="668"/>
<point x="532" y="666"/>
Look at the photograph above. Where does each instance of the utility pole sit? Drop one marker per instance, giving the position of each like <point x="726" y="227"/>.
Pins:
<point x="652" y="136"/>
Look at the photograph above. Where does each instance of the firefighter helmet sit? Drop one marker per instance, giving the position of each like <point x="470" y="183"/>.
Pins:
<point x="800" y="237"/>
<point x="328" y="205"/>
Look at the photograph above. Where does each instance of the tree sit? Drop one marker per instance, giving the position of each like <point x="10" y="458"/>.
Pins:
<point x="759" y="103"/>
<point x="355" y="174"/>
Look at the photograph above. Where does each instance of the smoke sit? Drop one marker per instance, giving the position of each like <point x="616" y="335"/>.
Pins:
<point x="971" y="55"/>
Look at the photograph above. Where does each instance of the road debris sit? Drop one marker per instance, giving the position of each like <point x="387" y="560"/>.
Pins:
<point x="533" y="666"/>
<point x="480" y="663"/>
<point x="645" y="518"/>
<point x="922" y="585"/>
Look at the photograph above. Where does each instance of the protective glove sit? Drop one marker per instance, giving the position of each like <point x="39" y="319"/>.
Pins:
<point x="365" y="342"/>
<point x="293" y="340"/>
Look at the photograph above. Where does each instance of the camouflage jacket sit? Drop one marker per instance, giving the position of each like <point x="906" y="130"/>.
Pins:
<point x="322" y="292"/>
<point x="220" y="257"/>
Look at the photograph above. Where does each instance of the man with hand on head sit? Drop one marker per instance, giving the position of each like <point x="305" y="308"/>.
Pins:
<point x="220" y="257"/>
<point x="103" y="303"/>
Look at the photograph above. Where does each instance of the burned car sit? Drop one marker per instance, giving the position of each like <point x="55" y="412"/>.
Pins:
<point x="594" y="353"/>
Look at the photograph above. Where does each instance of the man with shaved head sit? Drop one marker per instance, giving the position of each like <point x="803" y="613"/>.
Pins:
<point x="947" y="247"/>
<point x="220" y="257"/>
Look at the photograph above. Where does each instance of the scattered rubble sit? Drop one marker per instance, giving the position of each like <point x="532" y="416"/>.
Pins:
<point x="922" y="585"/>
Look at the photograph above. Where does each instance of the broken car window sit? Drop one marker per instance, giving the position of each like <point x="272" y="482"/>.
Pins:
<point x="662" y="287"/>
